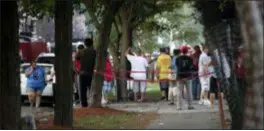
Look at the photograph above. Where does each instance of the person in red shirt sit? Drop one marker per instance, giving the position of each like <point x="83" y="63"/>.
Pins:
<point x="108" y="77"/>
<point x="77" y="67"/>
<point x="240" y="72"/>
<point x="196" y="87"/>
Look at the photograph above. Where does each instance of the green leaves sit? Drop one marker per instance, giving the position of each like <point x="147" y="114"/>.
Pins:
<point x="37" y="8"/>
<point x="178" y="24"/>
<point x="40" y="8"/>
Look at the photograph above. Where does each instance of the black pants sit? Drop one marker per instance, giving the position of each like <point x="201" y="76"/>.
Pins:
<point x="85" y="83"/>
<point x="53" y="89"/>
<point x="164" y="86"/>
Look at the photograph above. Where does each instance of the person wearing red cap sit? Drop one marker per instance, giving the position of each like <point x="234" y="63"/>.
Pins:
<point x="184" y="64"/>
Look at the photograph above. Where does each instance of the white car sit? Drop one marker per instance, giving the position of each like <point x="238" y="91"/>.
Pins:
<point x="47" y="93"/>
<point x="47" y="58"/>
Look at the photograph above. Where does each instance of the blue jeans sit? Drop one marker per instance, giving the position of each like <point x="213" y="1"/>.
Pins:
<point x="196" y="88"/>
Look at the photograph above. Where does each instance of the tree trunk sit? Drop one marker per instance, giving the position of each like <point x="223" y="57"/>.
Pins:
<point x="251" y="18"/>
<point x="126" y="41"/>
<point x="95" y="94"/>
<point x="63" y="63"/>
<point x="10" y="108"/>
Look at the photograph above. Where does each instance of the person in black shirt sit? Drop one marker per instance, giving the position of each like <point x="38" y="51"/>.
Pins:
<point x="87" y="58"/>
<point x="184" y="66"/>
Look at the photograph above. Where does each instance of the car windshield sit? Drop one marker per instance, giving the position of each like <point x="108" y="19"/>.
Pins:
<point x="47" y="60"/>
<point x="47" y="69"/>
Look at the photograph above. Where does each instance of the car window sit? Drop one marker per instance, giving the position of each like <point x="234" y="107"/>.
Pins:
<point x="47" y="60"/>
<point x="46" y="68"/>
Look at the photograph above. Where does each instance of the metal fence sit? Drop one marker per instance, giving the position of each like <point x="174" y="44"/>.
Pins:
<point x="226" y="38"/>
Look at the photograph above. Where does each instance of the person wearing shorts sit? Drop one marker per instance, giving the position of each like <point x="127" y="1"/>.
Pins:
<point x="214" y="85"/>
<point x="140" y="87"/>
<point x="204" y="76"/>
<point x="36" y="82"/>
<point x="139" y="66"/>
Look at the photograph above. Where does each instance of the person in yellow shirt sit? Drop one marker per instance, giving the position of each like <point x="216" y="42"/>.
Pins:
<point x="163" y="68"/>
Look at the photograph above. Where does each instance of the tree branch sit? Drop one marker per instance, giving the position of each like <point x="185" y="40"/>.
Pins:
<point x="130" y="12"/>
<point x="89" y="7"/>
<point x="116" y="26"/>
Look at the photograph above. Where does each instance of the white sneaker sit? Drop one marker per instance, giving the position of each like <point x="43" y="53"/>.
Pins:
<point x="207" y="103"/>
<point x="201" y="102"/>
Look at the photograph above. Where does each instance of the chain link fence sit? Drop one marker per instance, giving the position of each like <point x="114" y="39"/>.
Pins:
<point x="225" y="38"/>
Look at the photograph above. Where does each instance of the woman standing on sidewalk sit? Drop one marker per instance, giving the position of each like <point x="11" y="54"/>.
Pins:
<point x="36" y="83"/>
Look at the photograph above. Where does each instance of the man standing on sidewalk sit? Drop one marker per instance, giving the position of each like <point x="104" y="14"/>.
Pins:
<point x="163" y="68"/>
<point x="140" y="64"/>
<point x="184" y="65"/>
<point x="204" y="76"/>
<point x="87" y="59"/>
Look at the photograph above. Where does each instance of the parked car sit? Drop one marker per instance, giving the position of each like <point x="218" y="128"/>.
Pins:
<point x="47" y="93"/>
<point x="46" y="58"/>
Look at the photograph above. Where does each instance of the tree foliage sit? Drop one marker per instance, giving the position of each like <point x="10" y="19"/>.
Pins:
<point x="41" y="8"/>
<point x="178" y="24"/>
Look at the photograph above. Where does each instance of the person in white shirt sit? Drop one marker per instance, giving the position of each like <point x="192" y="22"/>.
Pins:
<point x="53" y="80"/>
<point x="204" y="76"/>
<point x="139" y="66"/>
<point x="214" y="78"/>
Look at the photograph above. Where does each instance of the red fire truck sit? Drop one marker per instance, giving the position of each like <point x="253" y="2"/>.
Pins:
<point x="30" y="48"/>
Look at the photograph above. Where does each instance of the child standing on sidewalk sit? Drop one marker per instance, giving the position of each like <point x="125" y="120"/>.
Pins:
<point x="108" y="77"/>
<point x="173" y="84"/>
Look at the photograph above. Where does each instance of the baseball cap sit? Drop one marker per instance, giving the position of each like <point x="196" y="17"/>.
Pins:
<point x="184" y="49"/>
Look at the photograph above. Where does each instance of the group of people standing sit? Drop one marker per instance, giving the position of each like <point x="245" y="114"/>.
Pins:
<point x="174" y="73"/>
<point x="190" y="75"/>
<point x="182" y="75"/>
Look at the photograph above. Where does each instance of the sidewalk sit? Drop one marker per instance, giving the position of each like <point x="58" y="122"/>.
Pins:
<point x="163" y="107"/>
<point x="202" y="117"/>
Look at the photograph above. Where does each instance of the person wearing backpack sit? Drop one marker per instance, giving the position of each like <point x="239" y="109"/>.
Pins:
<point x="184" y="66"/>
